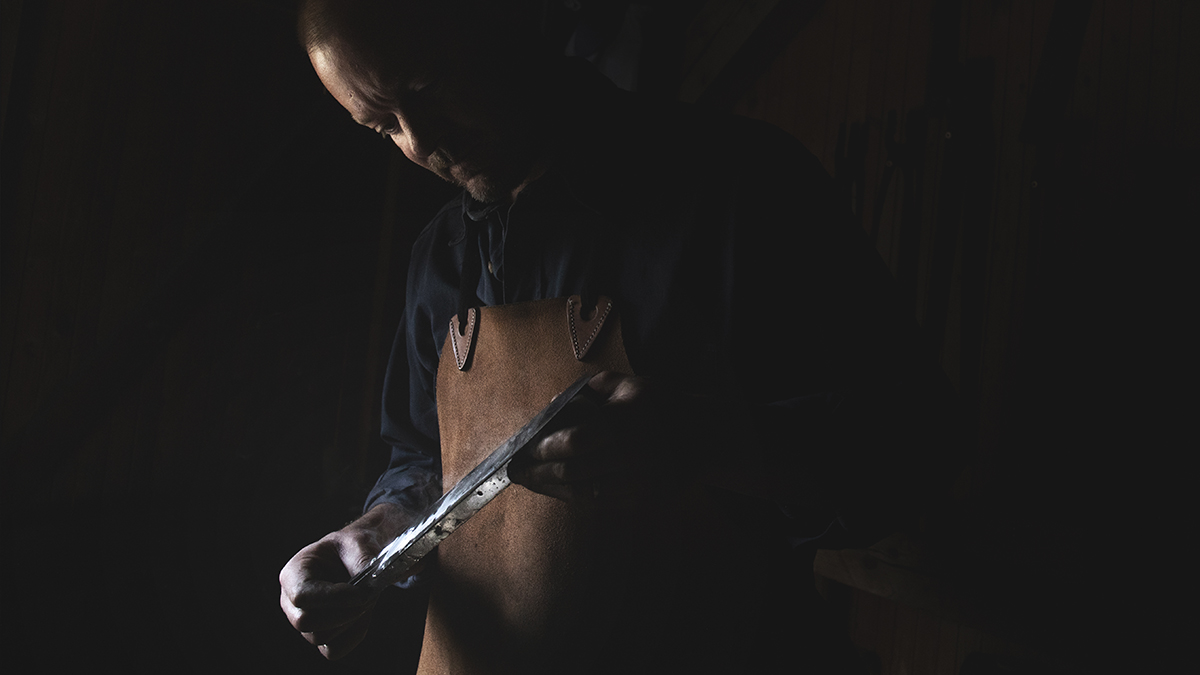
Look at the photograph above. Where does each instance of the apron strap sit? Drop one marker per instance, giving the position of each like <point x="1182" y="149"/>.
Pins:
<point x="469" y="279"/>
<point x="465" y="324"/>
<point x="601" y="278"/>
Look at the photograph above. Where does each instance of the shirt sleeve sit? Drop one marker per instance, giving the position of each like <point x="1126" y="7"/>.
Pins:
<point x="413" y="477"/>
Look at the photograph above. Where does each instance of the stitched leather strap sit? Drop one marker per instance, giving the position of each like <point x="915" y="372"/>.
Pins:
<point x="463" y="341"/>
<point x="584" y="331"/>
<point x="468" y="279"/>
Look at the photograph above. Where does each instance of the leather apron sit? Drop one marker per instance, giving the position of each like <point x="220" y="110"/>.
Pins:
<point x="532" y="584"/>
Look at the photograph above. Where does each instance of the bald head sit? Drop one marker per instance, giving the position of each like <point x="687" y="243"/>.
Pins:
<point x="512" y="25"/>
<point x="457" y="85"/>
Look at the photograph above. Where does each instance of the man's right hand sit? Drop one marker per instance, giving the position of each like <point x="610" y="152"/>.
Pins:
<point x="328" y="612"/>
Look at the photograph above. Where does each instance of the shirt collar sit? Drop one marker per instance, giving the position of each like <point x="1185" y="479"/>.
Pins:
<point x="477" y="211"/>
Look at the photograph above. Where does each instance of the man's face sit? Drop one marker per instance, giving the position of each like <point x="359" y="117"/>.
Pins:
<point x="447" y="108"/>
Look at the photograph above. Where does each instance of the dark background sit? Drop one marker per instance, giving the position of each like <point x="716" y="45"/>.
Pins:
<point x="199" y="290"/>
<point x="202" y="263"/>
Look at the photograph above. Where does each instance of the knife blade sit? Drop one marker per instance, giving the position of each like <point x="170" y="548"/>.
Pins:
<point x="465" y="499"/>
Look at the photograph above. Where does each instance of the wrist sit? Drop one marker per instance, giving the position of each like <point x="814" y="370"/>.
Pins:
<point x="385" y="520"/>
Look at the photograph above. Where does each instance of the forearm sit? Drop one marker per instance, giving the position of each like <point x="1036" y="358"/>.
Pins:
<point x="385" y="520"/>
<point x="411" y="482"/>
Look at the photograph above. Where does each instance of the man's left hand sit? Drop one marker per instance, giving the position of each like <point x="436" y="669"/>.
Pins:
<point x="627" y="441"/>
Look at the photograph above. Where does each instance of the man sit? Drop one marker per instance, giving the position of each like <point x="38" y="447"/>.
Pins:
<point x="759" y="392"/>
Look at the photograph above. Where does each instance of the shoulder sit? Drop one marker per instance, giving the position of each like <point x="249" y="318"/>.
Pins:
<point x="443" y="229"/>
<point x="433" y="253"/>
<point x="432" y="280"/>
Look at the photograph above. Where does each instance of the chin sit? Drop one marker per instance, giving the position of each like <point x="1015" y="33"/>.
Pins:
<point x="483" y="186"/>
<point x="487" y="192"/>
<point x="485" y="189"/>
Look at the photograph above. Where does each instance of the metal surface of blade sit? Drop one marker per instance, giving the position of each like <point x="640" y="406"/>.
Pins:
<point x="464" y="500"/>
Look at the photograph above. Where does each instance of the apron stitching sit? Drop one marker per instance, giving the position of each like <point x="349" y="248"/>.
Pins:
<point x="599" y="322"/>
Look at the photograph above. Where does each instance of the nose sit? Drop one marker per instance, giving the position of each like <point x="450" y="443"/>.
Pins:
<point x="422" y="134"/>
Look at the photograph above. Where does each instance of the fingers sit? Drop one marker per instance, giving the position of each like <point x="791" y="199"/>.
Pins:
<point x="576" y="466"/>
<point x="570" y="451"/>
<point x="576" y="493"/>
<point x="341" y="634"/>
<point x="558" y="477"/>
<point x="326" y="613"/>
<point x="316" y="599"/>
<point x="337" y="647"/>
<point x="612" y="446"/>
<point x="612" y="493"/>
<point x="336" y="643"/>
<point x="619" y="390"/>
<point x="590" y="440"/>
<point x="561" y="460"/>
<point x="608" y="382"/>
<point x="311" y="579"/>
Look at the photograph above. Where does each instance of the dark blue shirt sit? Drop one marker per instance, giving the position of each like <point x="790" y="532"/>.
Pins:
<point x="738" y="276"/>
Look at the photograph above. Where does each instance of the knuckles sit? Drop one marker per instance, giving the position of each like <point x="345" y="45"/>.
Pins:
<point x="301" y="620"/>
<point x="304" y="622"/>
<point x="313" y="596"/>
<point x="560" y="472"/>
<point x="565" y="442"/>
<point x="623" y="388"/>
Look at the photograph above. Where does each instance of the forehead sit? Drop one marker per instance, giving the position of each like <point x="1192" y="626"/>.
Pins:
<point x="351" y="85"/>
<point x="403" y="37"/>
<point x="362" y="81"/>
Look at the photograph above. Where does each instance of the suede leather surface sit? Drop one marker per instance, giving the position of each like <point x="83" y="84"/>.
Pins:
<point x="513" y="591"/>
<point x="531" y="585"/>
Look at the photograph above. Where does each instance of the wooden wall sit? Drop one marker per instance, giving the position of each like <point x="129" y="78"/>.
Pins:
<point x="1023" y="167"/>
